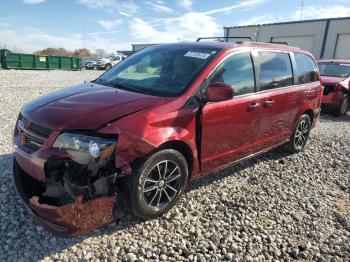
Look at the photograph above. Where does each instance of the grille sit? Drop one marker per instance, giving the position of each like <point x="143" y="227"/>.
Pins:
<point x="39" y="130"/>
<point x="27" y="140"/>
<point x="328" y="89"/>
<point x="32" y="143"/>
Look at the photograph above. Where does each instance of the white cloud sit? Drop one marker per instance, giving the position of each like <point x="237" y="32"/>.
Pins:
<point x="186" y="4"/>
<point x="186" y="28"/>
<point x="240" y="5"/>
<point x="125" y="8"/>
<point x="110" y="24"/>
<point x="33" y="2"/>
<point x="159" y="7"/>
<point x="262" y="19"/>
<point x="318" y="12"/>
<point x="28" y="39"/>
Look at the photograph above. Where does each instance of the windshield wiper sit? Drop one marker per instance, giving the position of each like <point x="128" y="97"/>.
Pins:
<point x="126" y="87"/>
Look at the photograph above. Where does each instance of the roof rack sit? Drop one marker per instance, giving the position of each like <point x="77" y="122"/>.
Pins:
<point x="224" y="38"/>
<point x="279" y="43"/>
<point x="251" y="40"/>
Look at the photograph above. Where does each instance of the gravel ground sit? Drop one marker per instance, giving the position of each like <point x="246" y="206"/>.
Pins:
<point x="275" y="207"/>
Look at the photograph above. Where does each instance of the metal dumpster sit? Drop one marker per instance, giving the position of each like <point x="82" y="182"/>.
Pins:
<point x="10" y="60"/>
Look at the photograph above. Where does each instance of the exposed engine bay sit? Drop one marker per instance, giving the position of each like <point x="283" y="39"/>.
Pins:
<point x="67" y="179"/>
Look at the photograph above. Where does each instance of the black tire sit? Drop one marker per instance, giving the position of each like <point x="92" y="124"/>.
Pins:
<point x="300" y="135"/>
<point x="343" y="107"/>
<point x="94" y="67"/>
<point x="159" y="198"/>
<point x="108" y="66"/>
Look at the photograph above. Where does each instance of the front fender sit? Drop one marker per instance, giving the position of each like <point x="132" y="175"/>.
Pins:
<point x="142" y="133"/>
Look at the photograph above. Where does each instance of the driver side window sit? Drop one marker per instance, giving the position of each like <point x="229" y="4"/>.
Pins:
<point x="237" y="70"/>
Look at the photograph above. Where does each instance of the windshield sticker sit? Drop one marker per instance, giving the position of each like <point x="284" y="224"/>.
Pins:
<point x="197" y="55"/>
<point x="344" y="64"/>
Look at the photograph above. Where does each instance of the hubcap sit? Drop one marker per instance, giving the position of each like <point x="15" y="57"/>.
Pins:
<point x="301" y="134"/>
<point x="162" y="184"/>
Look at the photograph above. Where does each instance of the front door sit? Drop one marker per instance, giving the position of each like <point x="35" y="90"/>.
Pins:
<point x="229" y="127"/>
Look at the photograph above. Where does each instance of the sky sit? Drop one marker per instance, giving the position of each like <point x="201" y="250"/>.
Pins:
<point x="31" y="25"/>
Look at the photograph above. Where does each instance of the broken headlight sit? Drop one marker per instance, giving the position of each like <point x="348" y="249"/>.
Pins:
<point x="95" y="146"/>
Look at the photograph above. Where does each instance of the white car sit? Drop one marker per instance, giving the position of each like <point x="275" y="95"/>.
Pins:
<point x="107" y="63"/>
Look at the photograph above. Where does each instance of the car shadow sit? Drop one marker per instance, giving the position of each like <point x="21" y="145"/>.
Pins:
<point x="123" y="218"/>
<point x="327" y="117"/>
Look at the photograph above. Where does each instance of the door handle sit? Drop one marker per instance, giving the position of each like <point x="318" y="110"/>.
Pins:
<point x="253" y="106"/>
<point x="269" y="103"/>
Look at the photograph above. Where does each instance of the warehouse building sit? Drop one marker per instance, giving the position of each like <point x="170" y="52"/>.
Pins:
<point x="325" y="38"/>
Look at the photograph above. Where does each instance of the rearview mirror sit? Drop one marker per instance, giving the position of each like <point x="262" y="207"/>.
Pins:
<point x="218" y="92"/>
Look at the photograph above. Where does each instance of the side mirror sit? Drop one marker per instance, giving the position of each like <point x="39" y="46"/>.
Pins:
<point x="218" y="92"/>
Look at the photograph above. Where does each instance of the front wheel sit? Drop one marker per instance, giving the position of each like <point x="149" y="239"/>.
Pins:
<point x="158" y="183"/>
<point x="343" y="107"/>
<point x="300" y="135"/>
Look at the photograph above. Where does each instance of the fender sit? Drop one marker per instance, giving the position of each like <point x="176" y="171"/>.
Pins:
<point x="137" y="138"/>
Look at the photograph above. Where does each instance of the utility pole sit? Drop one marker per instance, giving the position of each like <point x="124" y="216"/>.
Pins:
<point x="301" y="10"/>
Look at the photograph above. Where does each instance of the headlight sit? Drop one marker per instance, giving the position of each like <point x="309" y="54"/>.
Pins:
<point x="95" y="146"/>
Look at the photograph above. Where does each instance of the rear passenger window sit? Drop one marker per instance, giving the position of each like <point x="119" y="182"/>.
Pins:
<point x="275" y="70"/>
<point x="307" y="69"/>
<point x="238" y="71"/>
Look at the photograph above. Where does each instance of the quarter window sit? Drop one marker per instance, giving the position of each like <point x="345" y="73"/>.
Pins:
<point x="307" y="69"/>
<point x="275" y="70"/>
<point x="238" y="71"/>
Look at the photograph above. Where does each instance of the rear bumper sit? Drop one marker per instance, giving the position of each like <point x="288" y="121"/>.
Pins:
<point x="67" y="220"/>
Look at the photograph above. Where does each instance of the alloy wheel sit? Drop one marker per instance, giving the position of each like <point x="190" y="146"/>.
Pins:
<point x="301" y="134"/>
<point x="162" y="184"/>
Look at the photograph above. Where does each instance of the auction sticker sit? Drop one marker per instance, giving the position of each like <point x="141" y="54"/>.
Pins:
<point x="197" y="55"/>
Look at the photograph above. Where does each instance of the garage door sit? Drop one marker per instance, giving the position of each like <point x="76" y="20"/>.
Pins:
<point x="342" y="49"/>
<point x="303" y="42"/>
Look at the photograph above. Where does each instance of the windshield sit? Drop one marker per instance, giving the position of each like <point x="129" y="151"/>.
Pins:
<point x="334" y="69"/>
<point x="164" y="70"/>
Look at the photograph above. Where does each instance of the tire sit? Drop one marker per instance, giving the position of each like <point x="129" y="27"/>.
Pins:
<point x="300" y="135"/>
<point x="108" y="66"/>
<point x="151" y="195"/>
<point x="94" y="67"/>
<point x="343" y="107"/>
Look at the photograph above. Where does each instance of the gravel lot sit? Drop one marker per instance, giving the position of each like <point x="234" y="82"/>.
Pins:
<point x="277" y="206"/>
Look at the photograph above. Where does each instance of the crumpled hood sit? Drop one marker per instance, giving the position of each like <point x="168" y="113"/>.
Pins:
<point x="329" y="80"/>
<point x="86" y="106"/>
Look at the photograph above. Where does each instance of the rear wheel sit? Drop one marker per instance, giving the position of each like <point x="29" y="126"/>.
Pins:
<point x="108" y="66"/>
<point x="158" y="183"/>
<point x="94" y="67"/>
<point x="300" y="135"/>
<point x="343" y="107"/>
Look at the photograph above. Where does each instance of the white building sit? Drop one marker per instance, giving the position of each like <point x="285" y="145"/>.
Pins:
<point x="325" y="38"/>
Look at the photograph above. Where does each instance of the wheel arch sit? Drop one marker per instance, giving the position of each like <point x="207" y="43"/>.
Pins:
<point x="184" y="149"/>
<point x="311" y="114"/>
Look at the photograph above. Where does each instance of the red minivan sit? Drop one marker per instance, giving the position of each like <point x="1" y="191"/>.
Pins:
<point x="167" y="114"/>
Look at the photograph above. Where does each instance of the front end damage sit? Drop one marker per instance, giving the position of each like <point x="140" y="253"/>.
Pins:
<point x="333" y="93"/>
<point x="68" y="217"/>
<point x="78" y="192"/>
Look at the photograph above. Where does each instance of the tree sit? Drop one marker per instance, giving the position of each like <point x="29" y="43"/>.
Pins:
<point x="100" y="53"/>
<point x="82" y="52"/>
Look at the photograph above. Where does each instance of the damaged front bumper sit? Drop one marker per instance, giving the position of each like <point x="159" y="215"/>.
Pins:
<point x="66" y="220"/>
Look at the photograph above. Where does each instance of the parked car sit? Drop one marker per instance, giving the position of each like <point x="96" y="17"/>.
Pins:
<point x="168" y="114"/>
<point x="335" y="77"/>
<point x="91" y="65"/>
<point x="107" y="63"/>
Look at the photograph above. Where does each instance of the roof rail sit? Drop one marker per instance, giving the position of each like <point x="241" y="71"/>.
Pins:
<point x="224" y="38"/>
<point x="279" y="43"/>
